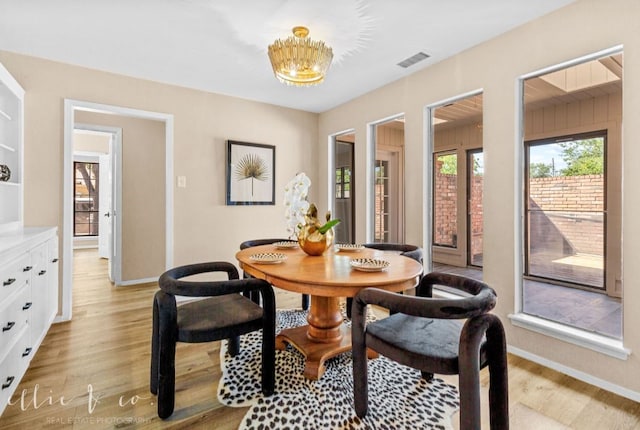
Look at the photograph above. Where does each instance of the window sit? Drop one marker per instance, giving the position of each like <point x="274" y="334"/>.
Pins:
<point x="86" y="199"/>
<point x="445" y="196"/>
<point x="343" y="183"/>
<point x="572" y="200"/>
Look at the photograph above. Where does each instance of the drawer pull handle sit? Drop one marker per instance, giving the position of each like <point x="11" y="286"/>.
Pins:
<point x="26" y="269"/>
<point x="42" y="272"/>
<point x="27" y="306"/>
<point x="9" y="325"/>
<point x="26" y="352"/>
<point x="8" y="282"/>
<point x="9" y="382"/>
<point x="55" y="260"/>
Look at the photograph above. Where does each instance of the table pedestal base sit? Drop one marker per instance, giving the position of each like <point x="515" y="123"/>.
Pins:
<point x="316" y="353"/>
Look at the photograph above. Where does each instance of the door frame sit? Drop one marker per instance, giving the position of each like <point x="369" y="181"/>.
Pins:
<point x="428" y="146"/>
<point x="469" y="218"/>
<point x="331" y="174"/>
<point x="70" y="107"/>
<point x="370" y="175"/>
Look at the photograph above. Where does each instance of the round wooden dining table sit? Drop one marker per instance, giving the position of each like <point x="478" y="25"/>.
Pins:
<point x="326" y="278"/>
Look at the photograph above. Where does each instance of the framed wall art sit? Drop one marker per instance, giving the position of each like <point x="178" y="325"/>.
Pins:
<point x="250" y="173"/>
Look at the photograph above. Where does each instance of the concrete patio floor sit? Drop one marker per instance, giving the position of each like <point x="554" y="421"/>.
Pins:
<point x="587" y="310"/>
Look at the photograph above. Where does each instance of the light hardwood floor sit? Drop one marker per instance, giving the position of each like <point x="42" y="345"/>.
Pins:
<point x="93" y="372"/>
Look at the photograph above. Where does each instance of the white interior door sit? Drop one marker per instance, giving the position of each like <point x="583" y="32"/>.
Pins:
<point x="105" y="207"/>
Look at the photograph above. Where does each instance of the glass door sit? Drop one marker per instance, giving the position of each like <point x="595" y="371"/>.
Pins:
<point x="388" y="186"/>
<point x="344" y="190"/>
<point x="566" y="211"/>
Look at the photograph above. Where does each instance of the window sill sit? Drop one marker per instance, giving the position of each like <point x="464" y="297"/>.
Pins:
<point x="595" y="342"/>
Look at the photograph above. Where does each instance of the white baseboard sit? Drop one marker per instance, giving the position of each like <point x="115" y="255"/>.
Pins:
<point x="582" y="376"/>
<point x="137" y="281"/>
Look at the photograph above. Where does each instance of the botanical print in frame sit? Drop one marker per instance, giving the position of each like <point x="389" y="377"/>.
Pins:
<point x="250" y="173"/>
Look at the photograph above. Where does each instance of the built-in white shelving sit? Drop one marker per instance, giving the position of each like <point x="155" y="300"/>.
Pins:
<point x="11" y="150"/>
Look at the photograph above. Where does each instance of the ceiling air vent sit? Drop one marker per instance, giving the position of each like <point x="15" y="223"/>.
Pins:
<point x="413" y="60"/>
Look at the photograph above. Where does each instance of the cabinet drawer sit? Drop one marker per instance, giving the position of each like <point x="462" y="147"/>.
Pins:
<point x="13" y="275"/>
<point x="14" y="317"/>
<point x="13" y="366"/>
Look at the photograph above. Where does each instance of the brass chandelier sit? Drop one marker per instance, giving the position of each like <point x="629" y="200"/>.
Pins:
<point x="299" y="60"/>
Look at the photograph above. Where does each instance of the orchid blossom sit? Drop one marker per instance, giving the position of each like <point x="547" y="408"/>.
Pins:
<point x="295" y="202"/>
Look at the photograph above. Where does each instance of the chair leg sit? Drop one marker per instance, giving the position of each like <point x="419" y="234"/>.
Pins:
<point x="498" y="376"/>
<point x="167" y="385"/>
<point x="269" y="346"/>
<point x="166" y="371"/>
<point x="498" y="395"/>
<point x="427" y="376"/>
<point x="269" y="357"/>
<point x="469" y="372"/>
<point x="360" y="369"/>
<point x="469" y="384"/>
<point x="305" y="302"/>
<point x="233" y="345"/>
<point x="155" y="352"/>
<point x="349" y="304"/>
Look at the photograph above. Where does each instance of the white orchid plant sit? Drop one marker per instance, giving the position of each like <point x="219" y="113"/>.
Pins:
<point x="298" y="208"/>
<point x="295" y="203"/>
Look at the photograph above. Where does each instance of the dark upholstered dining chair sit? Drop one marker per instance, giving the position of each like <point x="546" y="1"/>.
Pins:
<point x="223" y="314"/>
<point x="442" y="336"/>
<point x="258" y="242"/>
<point x="410" y="251"/>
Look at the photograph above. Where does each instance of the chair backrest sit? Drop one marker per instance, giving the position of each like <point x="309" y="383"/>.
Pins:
<point x="411" y="251"/>
<point x="170" y="281"/>
<point x="400" y="247"/>
<point x="480" y="298"/>
<point x="257" y="242"/>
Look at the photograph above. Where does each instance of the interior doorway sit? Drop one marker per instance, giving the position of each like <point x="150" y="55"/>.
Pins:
<point x="74" y="111"/>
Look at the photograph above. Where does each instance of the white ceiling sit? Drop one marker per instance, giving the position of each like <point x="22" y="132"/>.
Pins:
<point x="221" y="45"/>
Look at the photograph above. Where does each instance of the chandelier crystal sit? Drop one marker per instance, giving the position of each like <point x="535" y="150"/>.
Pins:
<point x="299" y="60"/>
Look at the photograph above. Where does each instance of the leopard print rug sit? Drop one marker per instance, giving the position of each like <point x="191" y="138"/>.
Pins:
<point x="398" y="397"/>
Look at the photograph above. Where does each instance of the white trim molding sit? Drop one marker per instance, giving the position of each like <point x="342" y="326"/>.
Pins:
<point x="605" y="345"/>
<point x="137" y="282"/>
<point x="582" y="376"/>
